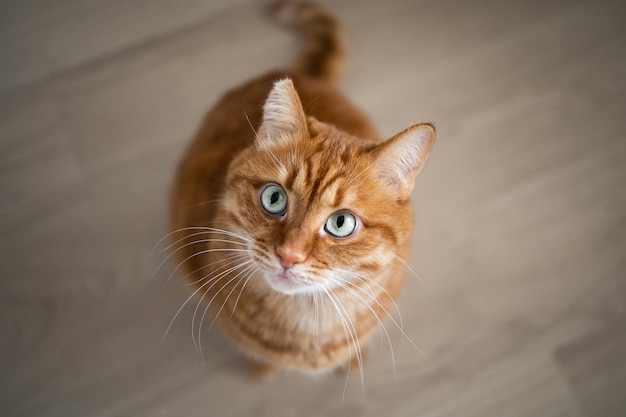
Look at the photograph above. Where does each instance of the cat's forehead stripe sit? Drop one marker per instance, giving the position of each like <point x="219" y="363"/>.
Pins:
<point x="290" y="177"/>
<point x="331" y="186"/>
<point x="339" y="196"/>
<point x="319" y="179"/>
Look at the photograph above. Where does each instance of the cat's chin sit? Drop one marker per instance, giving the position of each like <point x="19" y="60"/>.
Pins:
<point x="285" y="284"/>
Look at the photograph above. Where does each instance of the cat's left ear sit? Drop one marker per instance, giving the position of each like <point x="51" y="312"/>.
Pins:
<point x="283" y="115"/>
<point x="400" y="159"/>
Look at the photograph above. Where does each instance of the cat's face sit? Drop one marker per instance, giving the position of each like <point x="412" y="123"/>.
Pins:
<point x="320" y="208"/>
<point x="316" y="213"/>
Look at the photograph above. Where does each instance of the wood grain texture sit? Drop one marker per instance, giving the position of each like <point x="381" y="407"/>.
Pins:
<point x="521" y="210"/>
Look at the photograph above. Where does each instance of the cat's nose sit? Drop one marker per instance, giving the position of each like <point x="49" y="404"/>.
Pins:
<point x="289" y="256"/>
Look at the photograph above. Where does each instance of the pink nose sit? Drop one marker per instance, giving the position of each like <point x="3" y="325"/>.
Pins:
<point x="289" y="256"/>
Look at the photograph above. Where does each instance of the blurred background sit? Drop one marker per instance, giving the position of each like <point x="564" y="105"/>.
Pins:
<point x="521" y="242"/>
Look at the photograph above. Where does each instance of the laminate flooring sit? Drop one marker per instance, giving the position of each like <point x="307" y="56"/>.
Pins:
<point x="521" y="239"/>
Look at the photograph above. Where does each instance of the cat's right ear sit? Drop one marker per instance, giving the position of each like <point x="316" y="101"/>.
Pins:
<point x="283" y="115"/>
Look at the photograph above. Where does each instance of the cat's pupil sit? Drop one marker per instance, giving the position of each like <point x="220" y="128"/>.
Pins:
<point x="340" y="221"/>
<point x="275" y="197"/>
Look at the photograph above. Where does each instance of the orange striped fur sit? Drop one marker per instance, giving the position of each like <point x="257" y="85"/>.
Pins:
<point x="281" y="286"/>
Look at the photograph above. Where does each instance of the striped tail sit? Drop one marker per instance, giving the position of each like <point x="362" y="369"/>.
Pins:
<point x="322" y="50"/>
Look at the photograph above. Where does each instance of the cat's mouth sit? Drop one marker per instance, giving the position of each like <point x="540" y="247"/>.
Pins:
<point x="287" y="282"/>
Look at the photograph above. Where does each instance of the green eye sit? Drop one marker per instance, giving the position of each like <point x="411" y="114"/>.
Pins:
<point x="273" y="199"/>
<point x="341" y="223"/>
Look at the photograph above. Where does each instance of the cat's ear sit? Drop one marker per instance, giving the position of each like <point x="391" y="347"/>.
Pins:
<point x="400" y="159"/>
<point x="283" y="115"/>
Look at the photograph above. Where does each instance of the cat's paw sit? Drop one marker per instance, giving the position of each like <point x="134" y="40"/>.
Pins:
<point x="263" y="370"/>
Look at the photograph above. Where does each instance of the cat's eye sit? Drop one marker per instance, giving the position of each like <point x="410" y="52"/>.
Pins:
<point x="273" y="199"/>
<point x="341" y="223"/>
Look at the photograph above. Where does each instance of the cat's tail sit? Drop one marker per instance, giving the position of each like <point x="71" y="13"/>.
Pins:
<point x="322" y="50"/>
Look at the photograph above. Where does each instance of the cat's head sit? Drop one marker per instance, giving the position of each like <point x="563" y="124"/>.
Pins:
<point x="323" y="208"/>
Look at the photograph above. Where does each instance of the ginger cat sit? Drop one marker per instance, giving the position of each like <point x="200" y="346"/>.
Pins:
<point x="290" y="216"/>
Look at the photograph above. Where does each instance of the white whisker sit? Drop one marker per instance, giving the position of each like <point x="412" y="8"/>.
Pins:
<point x="256" y="135"/>
<point x="353" y="334"/>
<point x="400" y="326"/>
<point x="195" y="242"/>
<point x="408" y="267"/>
<point x="202" y="252"/>
<point x="280" y="164"/>
<point x="199" y="241"/>
<point x="204" y="228"/>
<point x="214" y="278"/>
<point x="383" y="289"/>
<point x="254" y="271"/>
<point x="196" y="254"/>
<point x="220" y="310"/>
<point x="316" y="316"/>
<point x="230" y="259"/>
<point x="183" y="306"/>
<point x="245" y="278"/>
<point x="380" y="322"/>
<point x="348" y="339"/>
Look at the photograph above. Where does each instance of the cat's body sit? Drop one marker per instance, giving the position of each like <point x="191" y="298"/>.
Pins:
<point x="262" y="202"/>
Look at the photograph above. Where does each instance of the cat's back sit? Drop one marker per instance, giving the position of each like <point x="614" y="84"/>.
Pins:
<point x="237" y="116"/>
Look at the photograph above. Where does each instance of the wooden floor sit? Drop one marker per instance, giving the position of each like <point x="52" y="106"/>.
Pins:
<point x="522" y="207"/>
